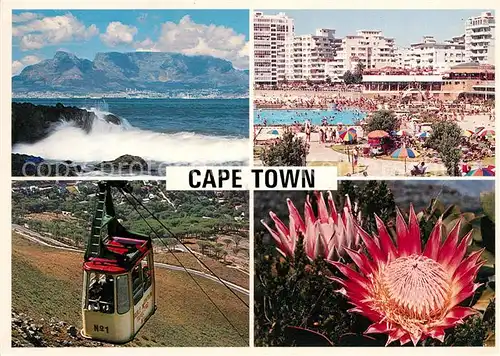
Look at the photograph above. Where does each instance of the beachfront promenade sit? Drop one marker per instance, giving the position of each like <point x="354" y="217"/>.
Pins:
<point x="373" y="166"/>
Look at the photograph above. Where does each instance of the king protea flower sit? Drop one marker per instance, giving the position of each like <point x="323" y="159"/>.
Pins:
<point x="326" y="235"/>
<point x="408" y="293"/>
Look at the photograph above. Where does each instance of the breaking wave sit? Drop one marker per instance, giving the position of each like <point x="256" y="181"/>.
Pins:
<point x="106" y="141"/>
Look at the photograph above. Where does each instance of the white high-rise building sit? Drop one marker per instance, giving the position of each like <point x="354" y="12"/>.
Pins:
<point x="307" y="55"/>
<point x="480" y="38"/>
<point x="271" y="32"/>
<point x="439" y="57"/>
<point x="368" y="47"/>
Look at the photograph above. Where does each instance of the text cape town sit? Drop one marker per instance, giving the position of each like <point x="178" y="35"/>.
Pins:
<point x="251" y="178"/>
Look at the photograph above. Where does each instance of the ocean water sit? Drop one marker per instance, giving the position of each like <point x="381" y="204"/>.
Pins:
<point x="287" y="117"/>
<point x="171" y="131"/>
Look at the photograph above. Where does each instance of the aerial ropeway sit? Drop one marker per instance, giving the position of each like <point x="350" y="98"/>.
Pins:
<point x="118" y="275"/>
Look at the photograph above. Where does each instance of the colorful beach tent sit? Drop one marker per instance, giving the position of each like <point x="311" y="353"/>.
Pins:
<point x="481" y="172"/>
<point x="348" y="136"/>
<point x="378" y="134"/>
<point x="423" y="134"/>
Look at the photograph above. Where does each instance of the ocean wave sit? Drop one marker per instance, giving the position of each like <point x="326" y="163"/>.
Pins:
<point x="106" y="141"/>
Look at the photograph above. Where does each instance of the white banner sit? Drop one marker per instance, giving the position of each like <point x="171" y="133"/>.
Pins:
<point x="256" y="178"/>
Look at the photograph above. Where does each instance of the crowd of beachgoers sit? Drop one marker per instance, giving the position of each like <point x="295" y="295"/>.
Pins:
<point x="472" y="115"/>
<point x="455" y="110"/>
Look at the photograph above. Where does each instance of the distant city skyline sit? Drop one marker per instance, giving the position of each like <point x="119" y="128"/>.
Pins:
<point x="38" y="34"/>
<point x="405" y="26"/>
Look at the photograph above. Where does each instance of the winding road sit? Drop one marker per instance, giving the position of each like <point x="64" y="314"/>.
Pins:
<point x="49" y="242"/>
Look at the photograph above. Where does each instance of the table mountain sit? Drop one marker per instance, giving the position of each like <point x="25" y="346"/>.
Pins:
<point x="113" y="71"/>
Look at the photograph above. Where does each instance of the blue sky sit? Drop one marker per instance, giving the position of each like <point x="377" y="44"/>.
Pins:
<point x="406" y="26"/>
<point x="38" y="34"/>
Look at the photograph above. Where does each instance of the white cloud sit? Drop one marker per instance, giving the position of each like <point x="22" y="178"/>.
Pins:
<point x="190" y="38"/>
<point x="18" y="66"/>
<point x="46" y="31"/>
<point x="146" y="46"/>
<point x="24" y="16"/>
<point x="118" y="34"/>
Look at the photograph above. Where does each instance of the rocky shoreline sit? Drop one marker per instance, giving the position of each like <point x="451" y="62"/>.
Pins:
<point x="28" y="332"/>
<point x="32" y="123"/>
<point x="31" y="166"/>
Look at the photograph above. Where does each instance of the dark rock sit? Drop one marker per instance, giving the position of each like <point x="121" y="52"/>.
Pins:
<point x="124" y="163"/>
<point x="72" y="331"/>
<point x="31" y="166"/>
<point x="112" y="119"/>
<point x="31" y="123"/>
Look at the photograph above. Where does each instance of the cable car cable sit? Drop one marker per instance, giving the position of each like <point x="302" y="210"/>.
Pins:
<point x="192" y="277"/>
<point x="189" y="250"/>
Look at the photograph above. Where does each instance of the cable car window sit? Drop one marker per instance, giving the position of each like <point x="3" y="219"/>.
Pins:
<point x="146" y="272"/>
<point x="122" y="299"/>
<point x="137" y="283"/>
<point x="101" y="293"/>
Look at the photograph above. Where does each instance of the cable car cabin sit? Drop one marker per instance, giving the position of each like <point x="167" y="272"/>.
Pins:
<point x="118" y="279"/>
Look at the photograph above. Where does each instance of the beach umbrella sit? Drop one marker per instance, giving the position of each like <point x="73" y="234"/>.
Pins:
<point x="378" y="134"/>
<point x="347" y="136"/>
<point x="481" y="172"/>
<point x="467" y="133"/>
<point x="478" y="129"/>
<point x="487" y="133"/>
<point x="404" y="152"/>
<point x="491" y="168"/>
<point x="273" y="132"/>
<point x="423" y="135"/>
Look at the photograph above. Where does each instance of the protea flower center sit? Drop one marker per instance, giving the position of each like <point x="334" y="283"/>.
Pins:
<point x="412" y="291"/>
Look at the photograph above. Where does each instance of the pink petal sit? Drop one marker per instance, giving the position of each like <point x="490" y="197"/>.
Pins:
<point x="281" y="243"/>
<point x="333" y="209"/>
<point x="308" y="212"/>
<point x="395" y="335"/>
<point x="405" y="339"/>
<point x="378" y="328"/>
<point x="465" y="293"/>
<point x="432" y="247"/>
<point x="404" y="246"/>
<point x="322" y="210"/>
<point x="448" y="249"/>
<point x="456" y="314"/>
<point x="459" y="253"/>
<point x="280" y="226"/>
<point x="374" y="251"/>
<point x="437" y="333"/>
<point x="415" y="337"/>
<point x="295" y="216"/>
<point x="467" y="264"/>
<point x="414" y="241"/>
<point x="352" y="276"/>
<point x="364" y="264"/>
<point x="366" y="312"/>
<point x="386" y="243"/>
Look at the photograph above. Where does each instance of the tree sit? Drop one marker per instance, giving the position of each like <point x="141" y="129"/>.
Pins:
<point x="376" y="198"/>
<point x="289" y="151"/>
<point x="309" y="82"/>
<point x="384" y="120"/>
<point x="357" y="77"/>
<point x="445" y="139"/>
<point x="348" y="77"/>
<point x="328" y="80"/>
<point x="444" y="131"/>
